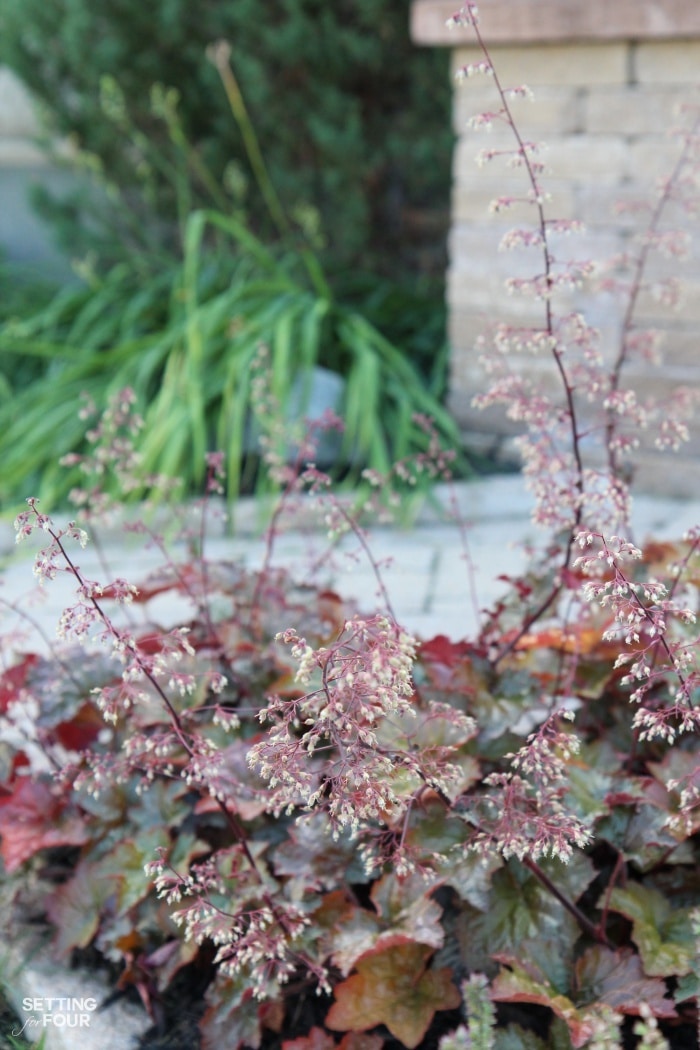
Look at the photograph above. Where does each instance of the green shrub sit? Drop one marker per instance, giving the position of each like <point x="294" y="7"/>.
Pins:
<point x="185" y="339"/>
<point x="353" y="119"/>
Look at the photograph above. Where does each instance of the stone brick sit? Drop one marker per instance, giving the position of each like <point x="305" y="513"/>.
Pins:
<point x="484" y="293"/>
<point x="680" y="349"/>
<point x="651" y="312"/>
<point x="469" y="146"/>
<point x="634" y="109"/>
<point x="488" y="422"/>
<point x="593" y="244"/>
<point x="604" y="111"/>
<point x="478" y="292"/>
<point x="596" y="204"/>
<point x="475" y="249"/>
<point x="552" y="110"/>
<point x="651" y="158"/>
<point x="472" y="194"/>
<point x="537" y="21"/>
<point x="587" y="158"/>
<point x="667" y="62"/>
<point x="659" y="266"/>
<point x="466" y="325"/>
<point x="554" y="65"/>
<point x="604" y="159"/>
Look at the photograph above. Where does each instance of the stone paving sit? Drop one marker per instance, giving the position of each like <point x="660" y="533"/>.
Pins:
<point x="425" y="567"/>
<point x="438" y="574"/>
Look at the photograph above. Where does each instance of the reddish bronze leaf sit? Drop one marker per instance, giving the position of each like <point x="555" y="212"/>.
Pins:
<point x="360" y="1041"/>
<point x="617" y="979"/>
<point x="33" y="818"/>
<point x="82" y="730"/>
<point x="442" y="650"/>
<point x="317" y="1039"/>
<point x="393" y="987"/>
<point x="13" y="679"/>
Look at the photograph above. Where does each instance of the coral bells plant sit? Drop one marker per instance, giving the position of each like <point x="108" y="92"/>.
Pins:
<point x="317" y="831"/>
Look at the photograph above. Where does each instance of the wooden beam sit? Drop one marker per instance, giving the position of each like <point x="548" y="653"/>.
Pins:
<point x="558" y="21"/>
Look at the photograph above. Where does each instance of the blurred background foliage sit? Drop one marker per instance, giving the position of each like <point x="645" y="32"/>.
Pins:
<point x="323" y="140"/>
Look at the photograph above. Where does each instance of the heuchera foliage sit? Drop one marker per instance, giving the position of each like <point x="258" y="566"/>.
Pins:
<point x="357" y="839"/>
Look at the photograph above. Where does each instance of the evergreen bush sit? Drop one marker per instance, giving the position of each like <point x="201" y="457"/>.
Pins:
<point x="353" y="120"/>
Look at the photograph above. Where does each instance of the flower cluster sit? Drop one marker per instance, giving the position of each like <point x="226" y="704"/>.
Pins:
<point x="525" y="816"/>
<point x="113" y="461"/>
<point x="645" y="616"/>
<point x="225" y="905"/>
<point x="363" y="677"/>
<point x="594" y="415"/>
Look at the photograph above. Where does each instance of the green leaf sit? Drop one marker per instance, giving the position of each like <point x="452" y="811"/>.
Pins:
<point x="681" y="767"/>
<point x="470" y="875"/>
<point x="353" y="936"/>
<point x="393" y="987"/>
<point x="405" y="913"/>
<point x="431" y="828"/>
<point x="516" y="1038"/>
<point x="232" y="1017"/>
<point x="516" y="985"/>
<point x="316" y="860"/>
<point x="642" y="836"/>
<point x="124" y="865"/>
<point x="522" y="910"/>
<point x="663" y="935"/>
<point x="688" y="988"/>
<point x="588" y="788"/>
<point x="406" y="907"/>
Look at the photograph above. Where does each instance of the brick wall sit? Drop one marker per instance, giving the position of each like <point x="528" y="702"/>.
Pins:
<point x="608" y="78"/>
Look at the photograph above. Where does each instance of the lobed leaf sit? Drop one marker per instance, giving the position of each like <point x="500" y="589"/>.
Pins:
<point x="317" y="1039"/>
<point x="233" y="1017"/>
<point x="14" y="679"/>
<point x="393" y="987"/>
<point x="33" y="818"/>
<point x="361" y="1041"/>
<point x="514" y="1037"/>
<point x="516" y="985"/>
<point x="663" y="935"/>
<point x="75" y="907"/>
<point x="616" y="979"/>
